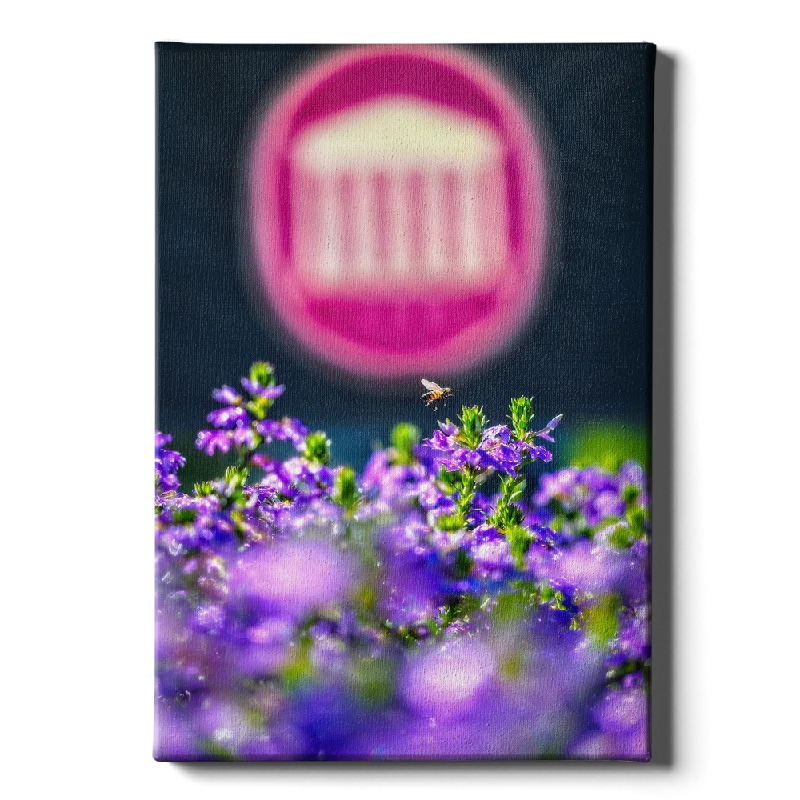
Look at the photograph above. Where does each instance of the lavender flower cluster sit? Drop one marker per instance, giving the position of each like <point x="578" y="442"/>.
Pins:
<point x="429" y="608"/>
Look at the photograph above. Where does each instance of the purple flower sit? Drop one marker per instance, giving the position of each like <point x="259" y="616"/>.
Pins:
<point x="430" y="496"/>
<point x="244" y="437"/>
<point x="598" y="480"/>
<point x="294" y="577"/>
<point x="170" y="461"/>
<point x="211" y="442"/>
<point x="260" y="494"/>
<point x="175" y="737"/>
<point x="447" y="679"/>
<point x="183" y="502"/>
<point x="263" y="461"/>
<point x="605" y="746"/>
<point x="209" y="619"/>
<point x="633" y="474"/>
<point x="584" y="502"/>
<point x="223" y="725"/>
<point x="167" y="463"/>
<point x="481" y="508"/>
<point x="448" y="428"/>
<point x="376" y="470"/>
<point x="605" y="505"/>
<point x="537" y="452"/>
<point x="266" y="646"/>
<point x="476" y="517"/>
<point x="265" y="392"/>
<point x="621" y="710"/>
<point x="633" y="638"/>
<point x="410" y="594"/>
<point x="160" y="439"/>
<point x="283" y="430"/>
<point x="497" y="434"/>
<point x="228" y="417"/>
<point x="298" y="478"/>
<point x="545" y="432"/>
<point x="281" y="742"/>
<point x="557" y="486"/>
<point x="490" y="552"/>
<point x="191" y="524"/>
<point x="547" y="537"/>
<point x="439" y="447"/>
<point x="169" y="483"/>
<point x="388" y="487"/>
<point x="495" y="451"/>
<point x="587" y="568"/>
<point x="501" y="457"/>
<point x="308" y="514"/>
<point x="227" y="395"/>
<point x="409" y="538"/>
<point x="470" y="458"/>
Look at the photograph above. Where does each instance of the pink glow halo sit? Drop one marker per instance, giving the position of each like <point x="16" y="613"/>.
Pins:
<point x="443" y="330"/>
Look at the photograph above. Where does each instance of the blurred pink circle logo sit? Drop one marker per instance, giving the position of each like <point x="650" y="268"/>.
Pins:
<point x="399" y="208"/>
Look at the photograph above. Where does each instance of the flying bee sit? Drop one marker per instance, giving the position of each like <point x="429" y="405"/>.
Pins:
<point x="435" y="393"/>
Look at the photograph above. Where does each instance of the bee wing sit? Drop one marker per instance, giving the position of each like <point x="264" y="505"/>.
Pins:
<point x="431" y="386"/>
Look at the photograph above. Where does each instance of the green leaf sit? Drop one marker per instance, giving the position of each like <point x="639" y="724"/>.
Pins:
<point x="236" y="477"/>
<point x="405" y="437"/>
<point x="298" y="671"/>
<point x="546" y="592"/>
<point x="510" y="608"/>
<point x="637" y="518"/>
<point x="462" y="565"/>
<point x="184" y="516"/>
<point x="512" y="488"/>
<point x="519" y="543"/>
<point x="630" y="494"/>
<point x="621" y="537"/>
<point x="262" y="373"/>
<point x="466" y="490"/>
<point x="451" y="522"/>
<point x="601" y="620"/>
<point x="373" y="680"/>
<point x="345" y="489"/>
<point x="317" y="447"/>
<point x="219" y="752"/>
<point x="473" y="423"/>
<point x="450" y="481"/>
<point x="460" y="608"/>
<point x="258" y="407"/>
<point x="512" y="668"/>
<point x="521" y="416"/>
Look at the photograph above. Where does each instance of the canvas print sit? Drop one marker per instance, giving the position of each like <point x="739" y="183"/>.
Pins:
<point x="403" y="410"/>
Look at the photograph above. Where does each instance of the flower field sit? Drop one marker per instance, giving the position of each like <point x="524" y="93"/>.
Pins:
<point x="453" y="600"/>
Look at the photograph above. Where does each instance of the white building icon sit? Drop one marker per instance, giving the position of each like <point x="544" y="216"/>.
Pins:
<point x="395" y="194"/>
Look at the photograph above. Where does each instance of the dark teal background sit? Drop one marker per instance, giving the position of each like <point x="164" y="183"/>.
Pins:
<point x="587" y="350"/>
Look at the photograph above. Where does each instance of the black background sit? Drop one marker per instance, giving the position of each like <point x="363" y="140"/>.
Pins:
<point x="586" y="350"/>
